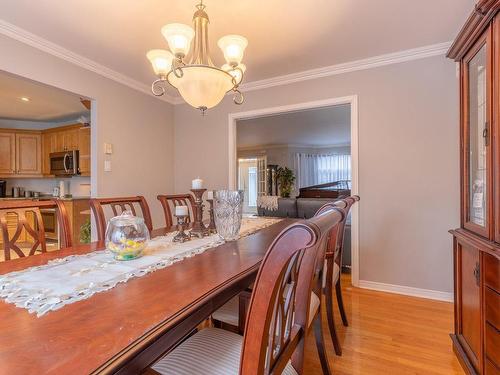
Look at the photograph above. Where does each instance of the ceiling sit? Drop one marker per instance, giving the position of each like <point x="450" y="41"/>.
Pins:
<point x="329" y="126"/>
<point x="45" y="104"/>
<point x="284" y="36"/>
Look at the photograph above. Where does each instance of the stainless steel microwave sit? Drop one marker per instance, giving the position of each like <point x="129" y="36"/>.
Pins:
<point x="65" y="163"/>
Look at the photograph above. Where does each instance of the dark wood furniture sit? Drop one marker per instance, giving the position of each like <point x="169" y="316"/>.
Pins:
<point x="118" y="205"/>
<point x="333" y="262"/>
<point x="127" y="328"/>
<point x="169" y="202"/>
<point x="337" y="189"/>
<point x="29" y="219"/>
<point x="279" y="308"/>
<point x="476" y="338"/>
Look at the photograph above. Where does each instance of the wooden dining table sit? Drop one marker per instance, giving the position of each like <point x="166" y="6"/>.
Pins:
<point x="127" y="328"/>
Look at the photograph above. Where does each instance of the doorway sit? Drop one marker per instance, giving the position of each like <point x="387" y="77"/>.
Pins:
<point x="247" y="181"/>
<point x="352" y="101"/>
<point x="252" y="180"/>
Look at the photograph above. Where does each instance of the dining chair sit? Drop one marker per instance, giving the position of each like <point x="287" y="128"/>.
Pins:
<point x="22" y="219"/>
<point x="278" y="314"/>
<point x="169" y="202"/>
<point x="333" y="267"/>
<point x="118" y="205"/>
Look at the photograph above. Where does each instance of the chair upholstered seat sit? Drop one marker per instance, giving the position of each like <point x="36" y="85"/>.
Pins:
<point x="212" y="351"/>
<point x="229" y="312"/>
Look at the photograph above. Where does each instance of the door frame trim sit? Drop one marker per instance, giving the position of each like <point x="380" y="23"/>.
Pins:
<point x="352" y="100"/>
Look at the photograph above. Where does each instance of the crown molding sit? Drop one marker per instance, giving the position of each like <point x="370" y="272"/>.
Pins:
<point x="56" y="50"/>
<point x="42" y="44"/>
<point x="352" y="66"/>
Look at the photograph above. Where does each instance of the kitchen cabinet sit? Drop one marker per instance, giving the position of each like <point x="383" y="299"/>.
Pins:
<point x="7" y="153"/>
<point x="67" y="139"/>
<point x="20" y="153"/>
<point x="49" y="141"/>
<point x="84" y="147"/>
<point x="12" y="227"/>
<point x="78" y="211"/>
<point x="476" y="338"/>
<point x="28" y="153"/>
<point x="71" y="137"/>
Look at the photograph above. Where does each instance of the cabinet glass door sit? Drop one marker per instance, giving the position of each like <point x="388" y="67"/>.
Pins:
<point x="476" y="137"/>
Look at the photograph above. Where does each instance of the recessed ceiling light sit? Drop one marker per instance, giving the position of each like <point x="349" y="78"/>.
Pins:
<point x="25" y="99"/>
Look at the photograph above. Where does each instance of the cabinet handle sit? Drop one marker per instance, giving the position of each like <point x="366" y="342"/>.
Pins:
<point x="486" y="134"/>
<point x="477" y="273"/>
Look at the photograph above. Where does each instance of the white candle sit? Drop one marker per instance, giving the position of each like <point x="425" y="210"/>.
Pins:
<point x="210" y="194"/>
<point x="197" y="183"/>
<point x="181" y="211"/>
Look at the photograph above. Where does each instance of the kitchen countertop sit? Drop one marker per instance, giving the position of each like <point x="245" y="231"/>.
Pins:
<point x="46" y="197"/>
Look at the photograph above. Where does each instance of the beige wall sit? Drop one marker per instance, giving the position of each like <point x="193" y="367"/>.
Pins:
<point x="139" y="126"/>
<point x="408" y="162"/>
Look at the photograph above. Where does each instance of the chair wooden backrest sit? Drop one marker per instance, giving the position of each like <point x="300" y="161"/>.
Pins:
<point x="118" y="205"/>
<point x="278" y="312"/>
<point x="336" y="239"/>
<point x="27" y="216"/>
<point x="169" y="202"/>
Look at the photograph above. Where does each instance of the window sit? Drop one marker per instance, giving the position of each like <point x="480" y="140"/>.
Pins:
<point x="320" y="169"/>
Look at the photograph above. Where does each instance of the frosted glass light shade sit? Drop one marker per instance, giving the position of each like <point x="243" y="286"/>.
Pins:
<point x="202" y="87"/>
<point x="233" y="47"/>
<point x="236" y="73"/>
<point x="161" y="60"/>
<point x="179" y="37"/>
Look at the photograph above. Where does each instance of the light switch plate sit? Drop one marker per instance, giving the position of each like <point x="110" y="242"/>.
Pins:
<point x="108" y="148"/>
<point x="107" y="165"/>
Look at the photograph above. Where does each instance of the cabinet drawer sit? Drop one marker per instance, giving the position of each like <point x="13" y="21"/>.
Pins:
<point x="492" y="272"/>
<point x="492" y="307"/>
<point x="490" y="368"/>
<point x="492" y="344"/>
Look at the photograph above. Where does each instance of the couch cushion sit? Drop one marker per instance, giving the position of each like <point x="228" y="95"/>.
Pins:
<point x="287" y="207"/>
<point x="307" y="207"/>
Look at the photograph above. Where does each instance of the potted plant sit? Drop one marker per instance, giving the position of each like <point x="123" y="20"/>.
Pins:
<point x="286" y="180"/>
<point x="85" y="232"/>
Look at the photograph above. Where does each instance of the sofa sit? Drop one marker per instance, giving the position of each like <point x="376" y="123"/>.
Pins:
<point x="305" y="208"/>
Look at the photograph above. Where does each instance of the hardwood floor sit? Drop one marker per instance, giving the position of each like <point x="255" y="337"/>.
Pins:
<point x="389" y="334"/>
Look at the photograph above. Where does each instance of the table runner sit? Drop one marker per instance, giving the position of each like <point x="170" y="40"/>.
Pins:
<point x="66" y="280"/>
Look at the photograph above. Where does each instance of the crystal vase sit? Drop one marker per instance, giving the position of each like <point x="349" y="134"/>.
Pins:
<point x="228" y="210"/>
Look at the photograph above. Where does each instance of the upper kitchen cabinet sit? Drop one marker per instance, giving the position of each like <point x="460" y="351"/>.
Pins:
<point x="67" y="139"/>
<point x="84" y="148"/>
<point x="28" y="153"/>
<point x="7" y="153"/>
<point x="20" y="153"/>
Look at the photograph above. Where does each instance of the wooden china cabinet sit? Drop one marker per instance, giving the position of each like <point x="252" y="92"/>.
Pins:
<point x="476" y="339"/>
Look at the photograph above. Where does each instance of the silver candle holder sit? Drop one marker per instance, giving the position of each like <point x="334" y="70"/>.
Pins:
<point x="181" y="236"/>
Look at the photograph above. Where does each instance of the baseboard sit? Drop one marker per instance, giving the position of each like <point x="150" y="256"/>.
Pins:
<point x="407" y="290"/>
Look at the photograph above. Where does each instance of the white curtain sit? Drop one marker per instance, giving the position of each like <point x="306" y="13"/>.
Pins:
<point x="320" y="169"/>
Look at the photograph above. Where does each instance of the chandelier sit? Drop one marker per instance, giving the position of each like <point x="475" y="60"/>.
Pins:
<point x="200" y="83"/>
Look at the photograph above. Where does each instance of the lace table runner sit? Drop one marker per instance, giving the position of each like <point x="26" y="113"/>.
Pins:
<point x="66" y="280"/>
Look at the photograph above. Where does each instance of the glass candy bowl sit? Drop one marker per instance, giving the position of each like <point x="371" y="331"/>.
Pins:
<point x="126" y="236"/>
